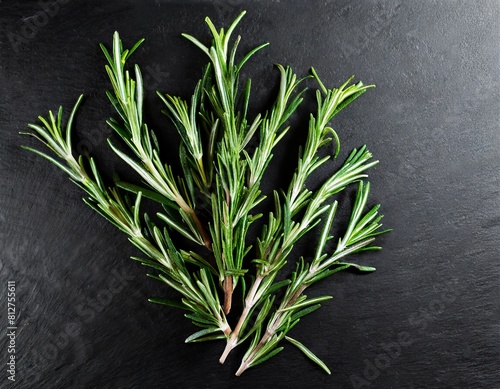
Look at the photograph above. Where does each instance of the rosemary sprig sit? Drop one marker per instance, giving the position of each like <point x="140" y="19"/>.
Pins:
<point x="127" y="99"/>
<point x="238" y="173"/>
<point x="360" y="234"/>
<point x="282" y="232"/>
<point x="198" y="290"/>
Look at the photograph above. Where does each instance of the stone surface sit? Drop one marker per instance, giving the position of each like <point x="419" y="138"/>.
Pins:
<point x="427" y="318"/>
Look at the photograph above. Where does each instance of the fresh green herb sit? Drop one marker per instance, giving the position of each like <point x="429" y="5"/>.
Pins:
<point x="213" y="203"/>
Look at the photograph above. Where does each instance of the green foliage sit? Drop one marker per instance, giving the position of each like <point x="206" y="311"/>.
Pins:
<point x="213" y="202"/>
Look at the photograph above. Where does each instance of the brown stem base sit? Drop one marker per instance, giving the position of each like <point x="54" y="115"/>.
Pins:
<point x="207" y="240"/>
<point x="228" y="293"/>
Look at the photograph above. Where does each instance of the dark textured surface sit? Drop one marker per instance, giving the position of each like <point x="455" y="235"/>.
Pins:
<point x="83" y="319"/>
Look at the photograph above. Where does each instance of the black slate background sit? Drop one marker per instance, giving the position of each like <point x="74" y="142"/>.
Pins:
<point x="432" y="121"/>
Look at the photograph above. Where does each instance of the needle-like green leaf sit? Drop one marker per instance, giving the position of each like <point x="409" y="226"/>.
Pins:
<point x="309" y="354"/>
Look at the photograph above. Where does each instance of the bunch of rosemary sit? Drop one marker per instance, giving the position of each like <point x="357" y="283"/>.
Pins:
<point x="213" y="202"/>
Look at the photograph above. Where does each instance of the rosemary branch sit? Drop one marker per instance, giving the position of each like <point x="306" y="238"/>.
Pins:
<point x="127" y="99"/>
<point x="239" y="173"/>
<point x="199" y="293"/>
<point x="281" y="232"/>
<point x="360" y="234"/>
